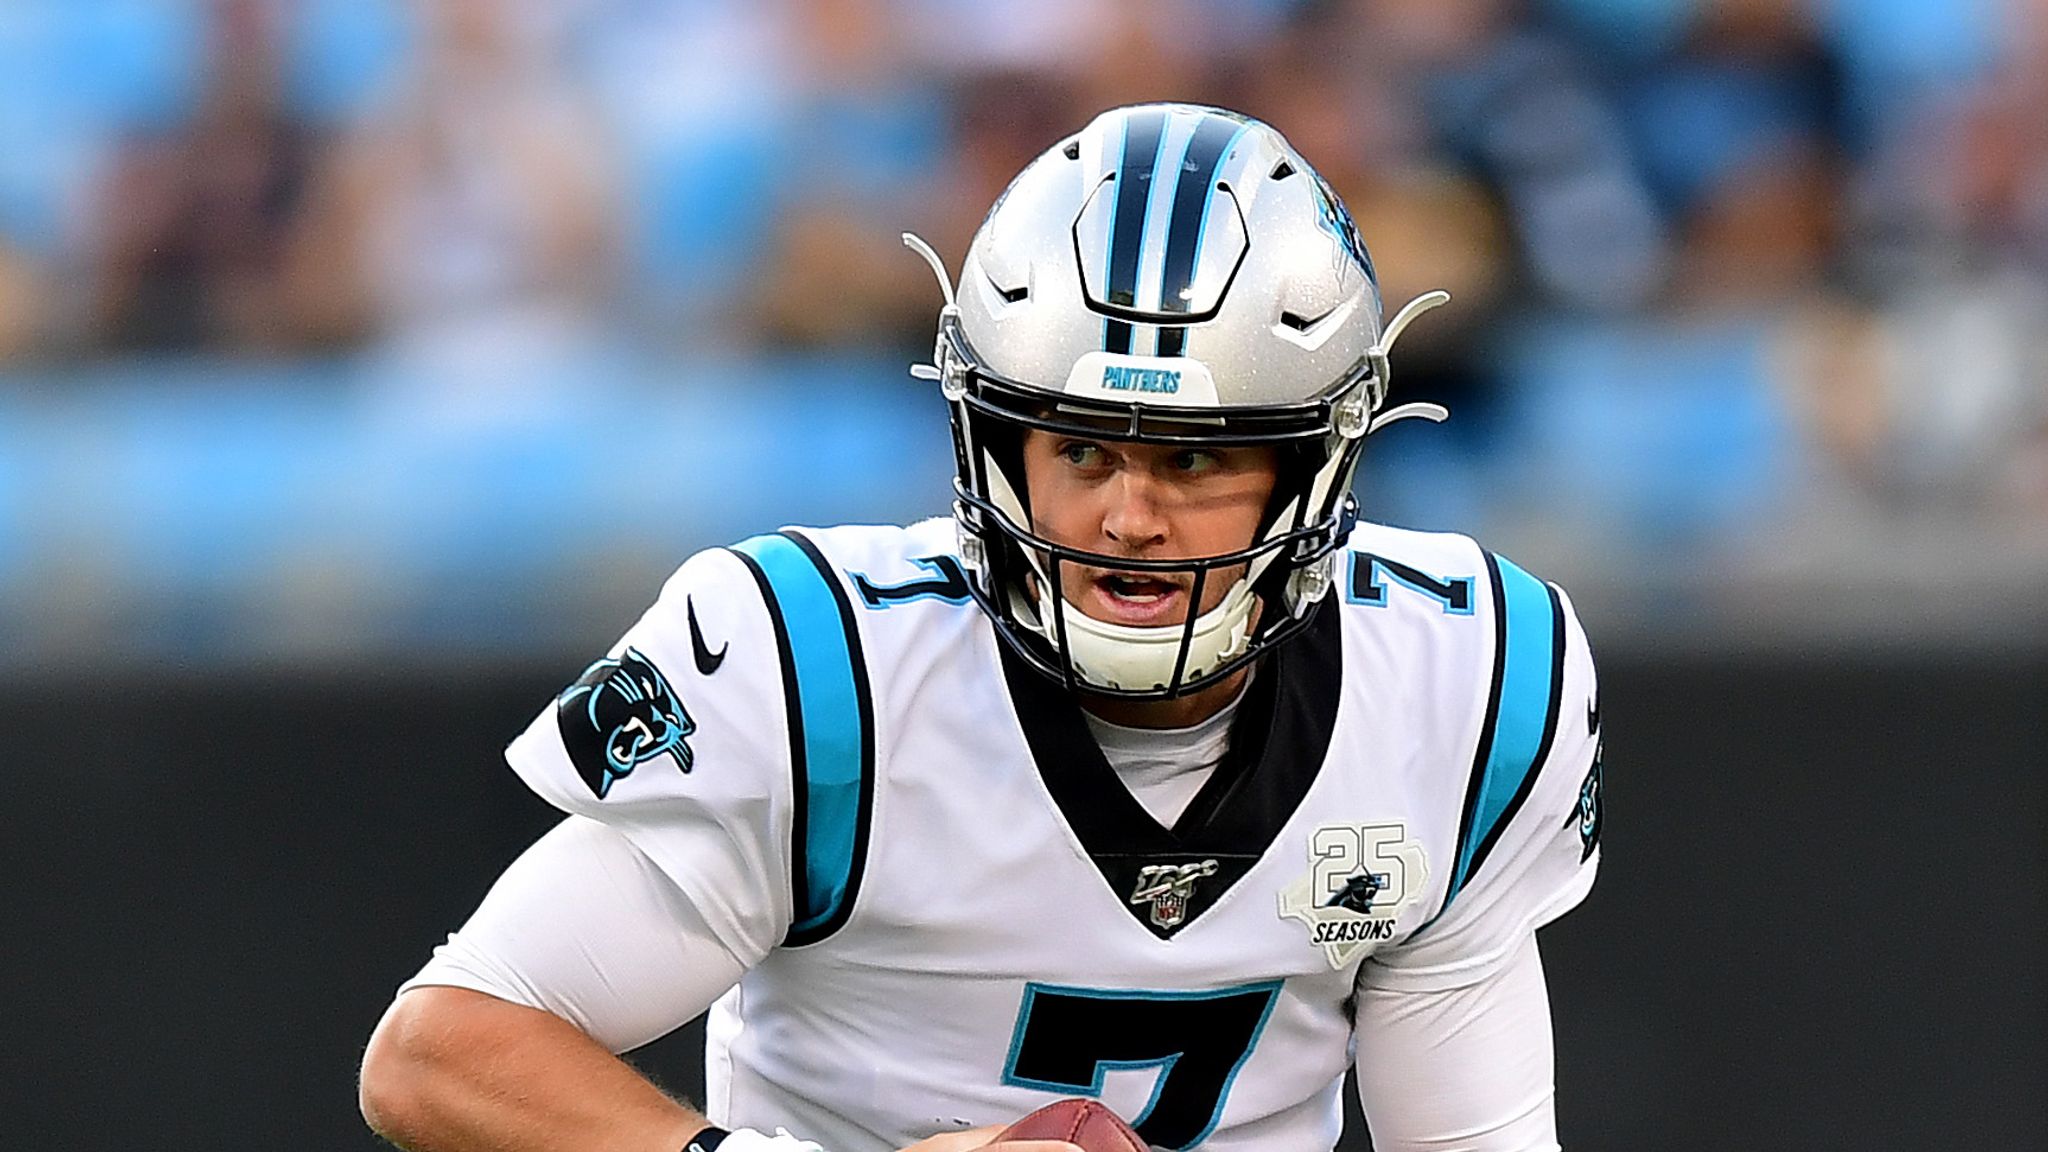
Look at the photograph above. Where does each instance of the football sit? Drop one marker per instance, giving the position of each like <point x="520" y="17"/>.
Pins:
<point x="1084" y="1123"/>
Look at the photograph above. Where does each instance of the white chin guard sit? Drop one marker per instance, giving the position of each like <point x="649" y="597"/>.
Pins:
<point x="1122" y="656"/>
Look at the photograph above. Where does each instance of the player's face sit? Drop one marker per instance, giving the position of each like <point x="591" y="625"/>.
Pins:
<point x="1145" y="501"/>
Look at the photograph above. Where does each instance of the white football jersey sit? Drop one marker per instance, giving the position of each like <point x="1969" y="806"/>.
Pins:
<point x="954" y="912"/>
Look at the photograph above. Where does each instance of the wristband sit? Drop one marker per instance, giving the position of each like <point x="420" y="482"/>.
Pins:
<point x="708" y="1140"/>
<point x="748" y="1140"/>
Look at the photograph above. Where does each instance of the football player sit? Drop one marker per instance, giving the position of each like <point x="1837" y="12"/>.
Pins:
<point x="1151" y="774"/>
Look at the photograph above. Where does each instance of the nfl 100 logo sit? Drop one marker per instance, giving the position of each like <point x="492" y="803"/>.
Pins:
<point x="1167" y="887"/>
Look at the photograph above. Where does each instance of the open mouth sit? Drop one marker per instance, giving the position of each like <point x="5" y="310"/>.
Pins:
<point x="1135" y="598"/>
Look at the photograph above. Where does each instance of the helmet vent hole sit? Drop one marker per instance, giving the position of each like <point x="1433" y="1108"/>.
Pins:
<point x="1300" y="323"/>
<point x="1073" y="149"/>
<point x="1009" y="295"/>
<point x="1283" y="170"/>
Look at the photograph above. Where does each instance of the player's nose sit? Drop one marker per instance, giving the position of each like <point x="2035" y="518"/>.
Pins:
<point x="1132" y="516"/>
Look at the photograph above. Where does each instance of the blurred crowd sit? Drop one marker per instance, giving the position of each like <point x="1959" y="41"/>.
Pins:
<point x="1747" y="239"/>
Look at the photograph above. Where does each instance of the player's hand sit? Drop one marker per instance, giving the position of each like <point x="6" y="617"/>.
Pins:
<point x="971" y="1139"/>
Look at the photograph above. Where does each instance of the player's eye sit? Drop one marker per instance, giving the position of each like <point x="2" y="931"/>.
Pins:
<point x="1196" y="461"/>
<point x="1083" y="454"/>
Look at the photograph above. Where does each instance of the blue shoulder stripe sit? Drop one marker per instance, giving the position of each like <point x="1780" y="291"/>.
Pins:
<point x="1521" y="712"/>
<point x="831" y="727"/>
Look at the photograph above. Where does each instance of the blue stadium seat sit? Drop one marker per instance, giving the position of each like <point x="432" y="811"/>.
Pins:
<point x="1649" y="429"/>
<point x="344" y="53"/>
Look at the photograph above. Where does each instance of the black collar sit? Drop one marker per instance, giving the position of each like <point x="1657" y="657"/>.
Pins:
<point x="1277" y="745"/>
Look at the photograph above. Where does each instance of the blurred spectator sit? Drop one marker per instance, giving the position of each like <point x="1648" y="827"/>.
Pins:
<point x="873" y="164"/>
<point x="1739" y="131"/>
<point x="1347" y="84"/>
<point x="1966" y="324"/>
<point x="1938" y="398"/>
<point x="475" y="206"/>
<point x="1002" y="120"/>
<point x="961" y="36"/>
<point x="196" y="225"/>
<point x="19" y="313"/>
<point x="701" y="97"/>
<point x="1142" y="50"/>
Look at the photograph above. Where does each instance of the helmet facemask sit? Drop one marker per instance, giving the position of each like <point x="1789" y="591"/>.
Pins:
<point x="1277" y="578"/>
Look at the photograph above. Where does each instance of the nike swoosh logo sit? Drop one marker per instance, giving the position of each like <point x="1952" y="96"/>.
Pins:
<point x="707" y="660"/>
<point x="1592" y="715"/>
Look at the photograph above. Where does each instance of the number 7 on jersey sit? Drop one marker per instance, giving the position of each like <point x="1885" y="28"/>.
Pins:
<point x="1068" y="1039"/>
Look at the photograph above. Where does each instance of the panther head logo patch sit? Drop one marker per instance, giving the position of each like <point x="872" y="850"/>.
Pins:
<point x="1336" y="220"/>
<point x="1358" y="893"/>
<point x="1587" y="812"/>
<point x="618" y="715"/>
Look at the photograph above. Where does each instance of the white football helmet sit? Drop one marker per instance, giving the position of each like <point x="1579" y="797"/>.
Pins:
<point x="1173" y="274"/>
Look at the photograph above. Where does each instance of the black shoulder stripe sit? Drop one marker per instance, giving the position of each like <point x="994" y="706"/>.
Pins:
<point x="831" y="728"/>
<point x="799" y="895"/>
<point x="1482" y="754"/>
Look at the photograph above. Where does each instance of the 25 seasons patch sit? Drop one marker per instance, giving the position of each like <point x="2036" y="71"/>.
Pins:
<point x="618" y="715"/>
<point x="1360" y="877"/>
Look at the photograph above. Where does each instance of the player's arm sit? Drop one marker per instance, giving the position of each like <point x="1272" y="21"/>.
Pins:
<point x="450" y="1069"/>
<point x="670" y="878"/>
<point x="1467" y="1068"/>
<point x="668" y="881"/>
<point x="454" y="1069"/>
<point x="506" y="1039"/>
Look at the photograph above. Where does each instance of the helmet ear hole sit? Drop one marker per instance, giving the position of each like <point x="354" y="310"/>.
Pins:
<point x="1293" y="467"/>
<point x="1002" y="444"/>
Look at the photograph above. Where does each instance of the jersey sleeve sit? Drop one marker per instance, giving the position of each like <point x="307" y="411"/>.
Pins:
<point x="583" y="925"/>
<point x="1529" y="841"/>
<point x="1466" y="1067"/>
<point x="678" y="739"/>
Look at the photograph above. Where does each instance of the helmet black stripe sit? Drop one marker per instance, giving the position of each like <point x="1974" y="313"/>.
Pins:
<point x="1116" y="336"/>
<point x="1143" y="135"/>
